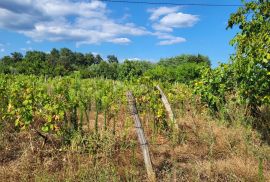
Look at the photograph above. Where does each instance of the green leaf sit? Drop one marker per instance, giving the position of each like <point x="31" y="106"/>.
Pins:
<point x="45" y="128"/>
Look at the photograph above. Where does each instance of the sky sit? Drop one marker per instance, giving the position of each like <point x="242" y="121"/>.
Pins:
<point x="129" y="31"/>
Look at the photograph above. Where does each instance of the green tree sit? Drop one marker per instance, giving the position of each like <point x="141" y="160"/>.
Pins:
<point x="103" y="69"/>
<point x="251" y="62"/>
<point x="16" y="57"/>
<point x="89" y="59"/>
<point x="188" y="72"/>
<point x="214" y="84"/>
<point x="112" y="59"/>
<point x="97" y="59"/>
<point x="183" y="73"/>
<point x="6" y="60"/>
<point x="67" y="59"/>
<point x="161" y="73"/>
<point x="184" y="58"/>
<point x="133" y="69"/>
<point x="80" y="59"/>
<point x="5" y="63"/>
<point x="53" y="57"/>
<point x="35" y="56"/>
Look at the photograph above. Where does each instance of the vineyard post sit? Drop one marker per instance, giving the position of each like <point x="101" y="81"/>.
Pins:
<point x="141" y="137"/>
<point x="168" y="109"/>
<point x="96" y="118"/>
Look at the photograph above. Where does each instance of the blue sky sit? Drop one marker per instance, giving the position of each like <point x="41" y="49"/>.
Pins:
<point x="129" y="31"/>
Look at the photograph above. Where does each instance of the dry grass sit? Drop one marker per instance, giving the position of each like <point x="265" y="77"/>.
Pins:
<point x="206" y="150"/>
<point x="213" y="152"/>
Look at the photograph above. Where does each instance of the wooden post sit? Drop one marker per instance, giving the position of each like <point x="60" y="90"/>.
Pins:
<point x="141" y="137"/>
<point x="168" y="108"/>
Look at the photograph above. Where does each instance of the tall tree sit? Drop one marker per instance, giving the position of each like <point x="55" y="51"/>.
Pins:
<point x="98" y="59"/>
<point x="185" y="58"/>
<point x="251" y="61"/>
<point x="79" y="59"/>
<point x="35" y="56"/>
<point x="6" y="60"/>
<point x="16" y="56"/>
<point x="112" y="59"/>
<point x="67" y="58"/>
<point x="53" y="57"/>
<point x="89" y="59"/>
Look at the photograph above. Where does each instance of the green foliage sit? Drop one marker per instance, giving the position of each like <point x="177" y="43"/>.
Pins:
<point x="133" y="69"/>
<point x="182" y="59"/>
<point x="161" y="73"/>
<point x="63" y="62"/>
<point x="183" y="73"/>
<point x="247" y="76"/>
<point x="98" y="59"/>
<point x="112" y="59"/>
<point x="62" y="104"/>
<point x="251" y="63"/>
<point x="103" y="70"/>
<point x="56" y="63"/>
<point x="214" y="85"/>
<point x="188" y="72"/>
<point x="16" y="57"/>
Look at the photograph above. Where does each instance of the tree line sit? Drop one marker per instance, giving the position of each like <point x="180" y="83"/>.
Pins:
<point x="182" y="68"/>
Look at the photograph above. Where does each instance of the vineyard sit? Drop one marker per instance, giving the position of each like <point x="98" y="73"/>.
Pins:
<point x="72" y="128"/>
<point x="71" y="116"/>
<point x="67" y="103"/>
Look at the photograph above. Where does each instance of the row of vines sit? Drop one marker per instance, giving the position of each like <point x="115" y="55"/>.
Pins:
<point x="71" y="103"/>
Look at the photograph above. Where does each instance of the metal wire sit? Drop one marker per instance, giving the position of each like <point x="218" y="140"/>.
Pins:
<point x="173" y="4"/>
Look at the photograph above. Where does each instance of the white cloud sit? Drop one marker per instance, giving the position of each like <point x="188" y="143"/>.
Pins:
<point x="157" y="12"/>
<point x="87" y="22"/>
<point x="162" y="28"/>
<point x="175" y="20"/>
<point x="166" y="19"/>
<point x="179" y="20"/>
<point x="134" y="59"/>
<point x="66" y="20"/>
<point x="2" y="50"/>
<point x="95" y="53"/>
<point x="172" y="41"/>
<point x="120" y="40"/>
<point x="167" y="39"/>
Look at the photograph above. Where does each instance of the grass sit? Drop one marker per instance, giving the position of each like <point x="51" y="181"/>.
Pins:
<point x="206" y="149"/>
